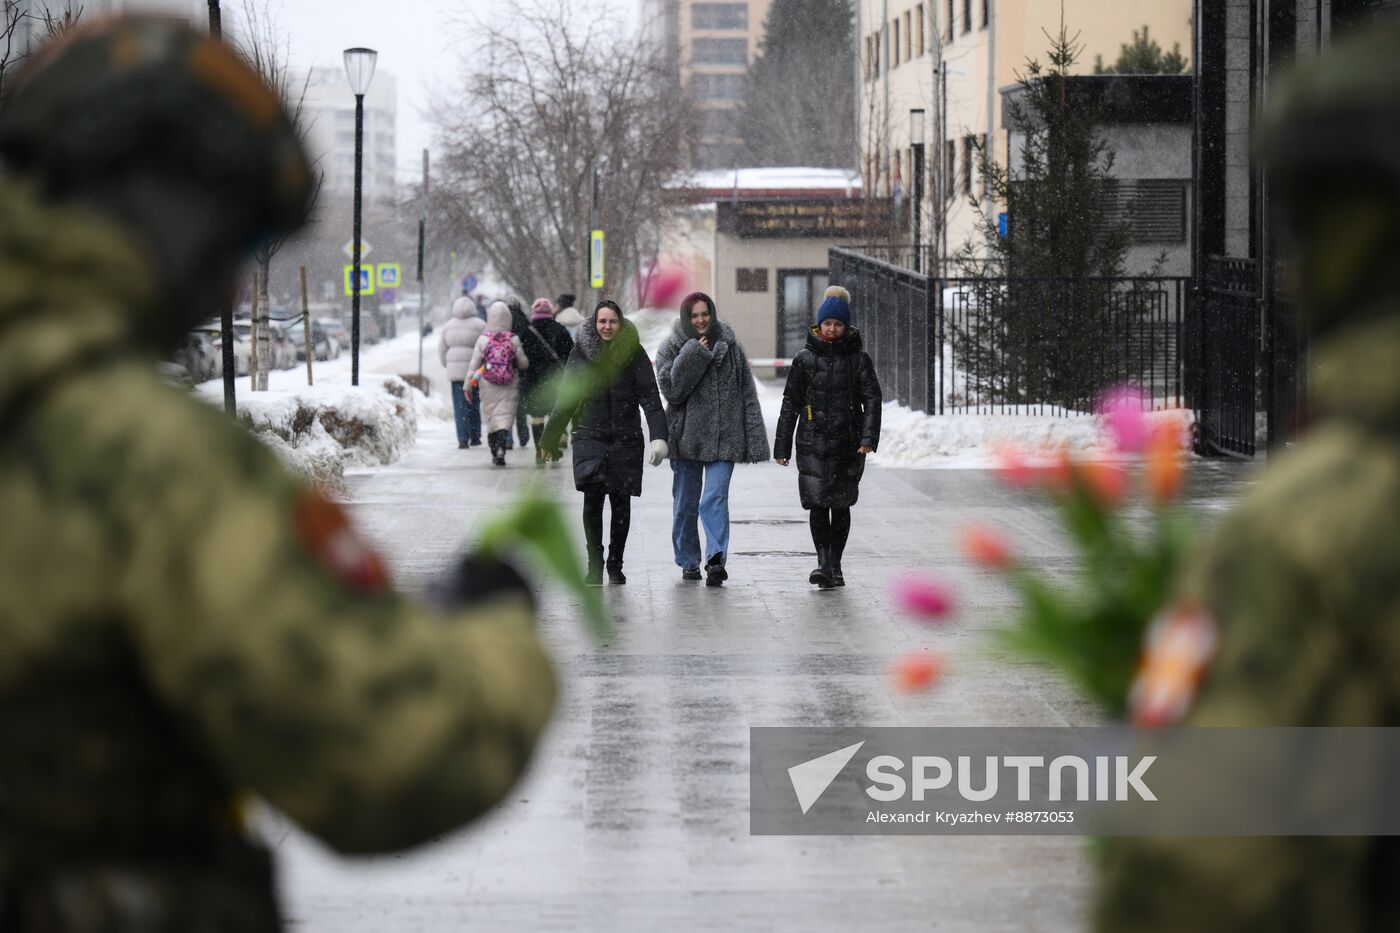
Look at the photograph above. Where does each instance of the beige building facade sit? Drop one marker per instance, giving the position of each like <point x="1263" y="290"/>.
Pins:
<point x="709" y="47"/>
<point x="950" y="59"/>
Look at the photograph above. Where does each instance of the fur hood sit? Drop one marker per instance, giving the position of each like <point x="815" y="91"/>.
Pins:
<point x="685" y="315"/>
<point x="593" y="346"/>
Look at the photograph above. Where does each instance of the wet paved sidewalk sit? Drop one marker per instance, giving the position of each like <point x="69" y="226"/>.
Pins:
<point x="635" y="815"/>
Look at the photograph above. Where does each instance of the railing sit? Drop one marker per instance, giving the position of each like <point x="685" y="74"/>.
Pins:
<point x="1046" y="346"/>
<point x="1228" y="398"/>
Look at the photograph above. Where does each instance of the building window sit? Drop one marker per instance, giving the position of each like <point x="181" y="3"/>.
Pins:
<point x="719" y="16"/>
<point x="908" y="39"/>
<point x="986" y="13"/>
<point x="967" y="16"/>
<point x="751" y="280"/>
<point x="717" y="87"/>
<point x="894" y="51"/>
<point x="969" y="148"/>
<point x="719" y="123"/>
<point x="950" y="166"/>
<point x="948" y="26"/>
<point x="720" y="51"/>
<point x="923" y="45"/>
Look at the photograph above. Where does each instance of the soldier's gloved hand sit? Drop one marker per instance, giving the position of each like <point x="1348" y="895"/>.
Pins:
<point x="475" y="578"/>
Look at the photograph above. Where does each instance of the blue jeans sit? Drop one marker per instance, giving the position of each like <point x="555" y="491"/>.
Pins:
<point x="467" y="416"/>
<point x="700" y="491"/>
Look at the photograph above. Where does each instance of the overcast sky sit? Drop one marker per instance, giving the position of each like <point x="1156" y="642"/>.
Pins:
<point x="417" y="41"/>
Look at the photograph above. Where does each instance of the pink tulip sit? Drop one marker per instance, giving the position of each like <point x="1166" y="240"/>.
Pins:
<point x="923" y="598"/>
<point x="1122" y="411"/>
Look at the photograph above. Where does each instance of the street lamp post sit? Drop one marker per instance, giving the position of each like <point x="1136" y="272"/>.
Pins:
<point x="359" y="68"/>
<point x="916" y="142"/>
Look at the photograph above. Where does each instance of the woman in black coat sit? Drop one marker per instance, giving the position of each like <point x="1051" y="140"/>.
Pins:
<point x="607" y="431"/>
<point x="833" y="401"/>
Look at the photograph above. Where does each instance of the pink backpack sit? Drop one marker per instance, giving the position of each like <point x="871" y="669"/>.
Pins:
<point x="499" y="359"/>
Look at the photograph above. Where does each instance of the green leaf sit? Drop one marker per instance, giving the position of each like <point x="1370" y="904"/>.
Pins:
<point x="536" y="523"/>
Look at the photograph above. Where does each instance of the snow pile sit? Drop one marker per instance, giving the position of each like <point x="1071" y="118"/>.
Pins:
<point x="912" y="439"/>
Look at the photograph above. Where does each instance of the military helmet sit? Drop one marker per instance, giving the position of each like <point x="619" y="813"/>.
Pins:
<point x="1338" y="111"/>
<point x="152" y="90"/>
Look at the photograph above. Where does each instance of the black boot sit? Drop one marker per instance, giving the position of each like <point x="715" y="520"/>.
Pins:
<point x="818" y="577"/>
<point x="537" y="431"/>
<point x="594" y="574"/>
<point x="615" y="574"/>
<point x="715" y="574"/>
<point x="835" y="569"/>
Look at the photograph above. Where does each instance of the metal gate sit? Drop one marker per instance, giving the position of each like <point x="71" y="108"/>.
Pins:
<point x="1229" y="330"/>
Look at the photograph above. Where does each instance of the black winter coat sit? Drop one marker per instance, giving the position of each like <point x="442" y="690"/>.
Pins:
<point x="536" y="381"/>
<point x="609" y="447"/>
<point x="833" y="400"/>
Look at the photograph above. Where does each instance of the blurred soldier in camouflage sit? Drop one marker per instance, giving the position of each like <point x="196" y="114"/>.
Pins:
<point x="1303" y="580"/>
<point x="181" y="623"/>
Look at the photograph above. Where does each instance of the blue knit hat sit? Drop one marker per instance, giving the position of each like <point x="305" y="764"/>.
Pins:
<point x="837" y="304"/>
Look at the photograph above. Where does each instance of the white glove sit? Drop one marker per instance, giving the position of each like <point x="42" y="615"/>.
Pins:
<point x="659" y="450"/>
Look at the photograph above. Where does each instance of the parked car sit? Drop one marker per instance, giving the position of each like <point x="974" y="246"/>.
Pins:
<point x="200" y="355"/>
<point x="321" y="343"/>
<point x="284" y="351"/>
<point x="337" y="332"/>
<point x="242" y="346"/>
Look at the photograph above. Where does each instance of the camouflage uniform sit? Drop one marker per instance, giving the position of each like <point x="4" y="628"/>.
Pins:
<point x="1303" y="579"/>
<point x="182" y="623"/>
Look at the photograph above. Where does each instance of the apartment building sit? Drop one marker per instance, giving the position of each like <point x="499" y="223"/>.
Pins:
<point x="330" y="113"/>
<point x="708" y="48"/>
<point x="951" y="59"/>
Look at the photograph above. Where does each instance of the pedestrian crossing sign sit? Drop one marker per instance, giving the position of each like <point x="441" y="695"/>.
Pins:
<point x="388" y="273"/>
<point x="366" y="280"/>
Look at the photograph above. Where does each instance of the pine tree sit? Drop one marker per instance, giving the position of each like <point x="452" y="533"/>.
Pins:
<point x="799" y="103"/>
<point x="1044" y="321"/>
<point x="1143" y="56"/>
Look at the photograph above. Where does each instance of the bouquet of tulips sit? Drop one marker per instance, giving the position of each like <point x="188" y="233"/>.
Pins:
<point x="1094" y="630"/>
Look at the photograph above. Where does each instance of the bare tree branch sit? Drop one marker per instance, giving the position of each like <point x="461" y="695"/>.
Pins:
<point x="549" y="96"/>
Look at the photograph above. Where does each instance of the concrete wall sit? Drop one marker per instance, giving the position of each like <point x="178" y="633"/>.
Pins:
<point x="754" y="315"/>
<point x="1238" y="102"/>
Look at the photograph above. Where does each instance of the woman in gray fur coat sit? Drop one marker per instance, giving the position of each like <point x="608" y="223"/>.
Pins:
<point x="715" y="422"/>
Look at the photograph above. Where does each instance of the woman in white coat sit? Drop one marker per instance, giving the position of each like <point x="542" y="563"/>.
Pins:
<point x="455" y="349"/>
<point x="500" y="358"/>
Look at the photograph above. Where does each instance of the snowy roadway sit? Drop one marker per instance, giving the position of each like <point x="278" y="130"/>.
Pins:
<point x="635" y="814"/>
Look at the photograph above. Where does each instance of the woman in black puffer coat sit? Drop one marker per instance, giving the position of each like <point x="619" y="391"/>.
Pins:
<point x="607" y="431"/>
<point x="833" y="401"/>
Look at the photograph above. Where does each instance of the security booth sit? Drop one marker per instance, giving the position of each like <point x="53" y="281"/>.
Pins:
<point x="771" y="263"/>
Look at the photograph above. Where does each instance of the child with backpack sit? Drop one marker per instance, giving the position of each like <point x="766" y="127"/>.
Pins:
<point x="501" y="358"/>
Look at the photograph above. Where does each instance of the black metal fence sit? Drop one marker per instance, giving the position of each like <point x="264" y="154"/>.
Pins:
<point x="1226" y="421"/>
<point x="1047" y="346"/>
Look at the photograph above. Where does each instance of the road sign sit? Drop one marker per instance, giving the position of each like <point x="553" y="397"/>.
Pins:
<point x="469" y="283"/>
<point x="388" y="275"/>
<point x="365" y="249"/>
<point x="595" y="260"/>
<point x="366" y="280"/>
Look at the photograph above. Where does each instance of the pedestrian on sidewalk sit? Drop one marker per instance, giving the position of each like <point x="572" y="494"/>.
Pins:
<point x="567" y="315"/>
<point x="714" y="422"/>
<point x="534" y="352"/>
<point x="607" y="431"/>
<point x="456" y="345"/>
<point x="501" y="359"/>
<point x="537" y="385"/>
<point x="832" y="400"/>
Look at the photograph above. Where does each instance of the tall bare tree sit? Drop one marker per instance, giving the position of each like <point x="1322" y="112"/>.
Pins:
<point x="256" y="36"/>
<point x="551" y="94"/>
<point x="25" y="26"/>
